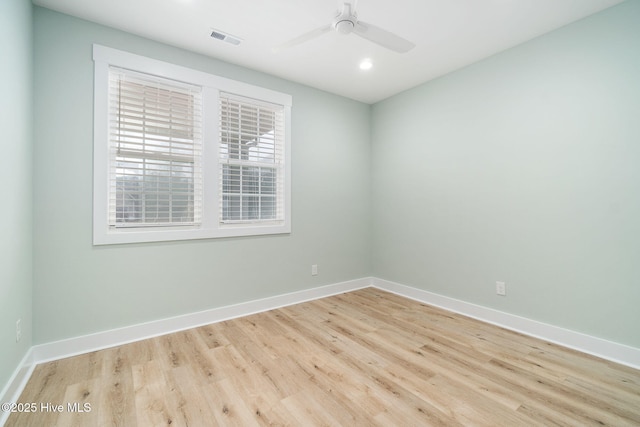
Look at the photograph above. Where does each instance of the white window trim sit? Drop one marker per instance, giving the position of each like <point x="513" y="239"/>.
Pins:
<point x="212" y="85"/>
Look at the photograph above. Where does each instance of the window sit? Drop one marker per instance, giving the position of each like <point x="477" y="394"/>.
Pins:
<point x="155" y="140"/>
<point x="182" y="154"/>
<point x="251" y="160"/>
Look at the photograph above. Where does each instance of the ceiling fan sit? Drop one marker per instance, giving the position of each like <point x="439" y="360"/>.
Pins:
<point x="346" y="22"/>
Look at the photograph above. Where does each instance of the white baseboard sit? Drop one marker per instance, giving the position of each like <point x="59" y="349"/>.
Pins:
<point x="619" y="353"/>
<point x="114" y="337"/>
<point x="18" y="380"/>
<point x="87" y="343"/>
<point x="615" y="352"/>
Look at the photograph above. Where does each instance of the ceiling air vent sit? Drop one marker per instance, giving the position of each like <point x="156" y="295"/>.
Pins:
<point x="217" y="34"/>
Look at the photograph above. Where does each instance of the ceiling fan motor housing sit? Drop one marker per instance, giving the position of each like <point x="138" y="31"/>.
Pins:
<point x="346" y="21"/>
<point x="344" y="26"/>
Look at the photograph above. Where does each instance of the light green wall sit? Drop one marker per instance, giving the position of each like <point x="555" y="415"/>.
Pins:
<point x="524" y="168"/>
<point x="81" y="289"/>
<point x="16" y="118"/>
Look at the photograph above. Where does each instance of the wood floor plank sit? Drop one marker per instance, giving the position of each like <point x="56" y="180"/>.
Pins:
<point x="366" y="357"/>
<point x="151" y="394"/>
<point x="307" y="409"/>
<point x="76" y="396"/>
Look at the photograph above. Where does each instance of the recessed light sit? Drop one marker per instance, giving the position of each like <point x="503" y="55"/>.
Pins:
<point x="366" y="64"/>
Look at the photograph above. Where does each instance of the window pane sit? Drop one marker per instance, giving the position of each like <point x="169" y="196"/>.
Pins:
<point x="249" y="193"/>
<point x="268" y="207"/>
<point x="252" y="142"/>
<point x="268" y="181"/>
<point x="231" y="207"/>
<point x="155" y="140"/>
<point x="250" y="180"/>
<point x="250" y="207"/>
<point x="153" y="193"/>
<point x="231" y="179"/>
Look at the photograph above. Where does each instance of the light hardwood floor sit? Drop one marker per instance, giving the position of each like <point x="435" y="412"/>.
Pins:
<point x="362" y="358"/>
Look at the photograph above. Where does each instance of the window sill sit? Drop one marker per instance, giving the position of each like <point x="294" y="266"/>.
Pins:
<point x="147" y="235"/>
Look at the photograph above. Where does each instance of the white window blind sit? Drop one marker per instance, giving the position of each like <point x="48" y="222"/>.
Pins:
<point x="252" y="160"/>
<point x="155" y="147"/>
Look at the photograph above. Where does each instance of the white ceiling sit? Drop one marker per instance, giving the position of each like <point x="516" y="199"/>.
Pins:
<point x="448" y="34"/>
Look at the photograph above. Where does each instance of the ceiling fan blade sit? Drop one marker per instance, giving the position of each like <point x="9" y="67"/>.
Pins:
<point x="383" y="37"/>
<point x="305" y="37"/>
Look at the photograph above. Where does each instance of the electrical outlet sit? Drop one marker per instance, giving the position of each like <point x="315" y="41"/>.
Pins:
<point x="18" y="330"/>
<point x="501" y="288"/>
<point x="314" y="270"/>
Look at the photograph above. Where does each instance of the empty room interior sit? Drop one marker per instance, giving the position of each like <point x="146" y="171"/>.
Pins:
<point x="320" y="213"/>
